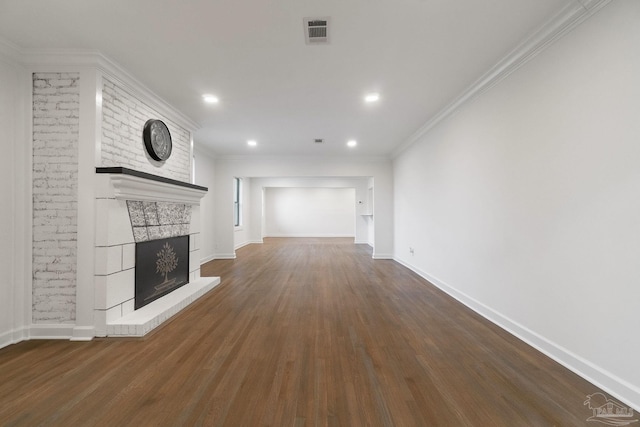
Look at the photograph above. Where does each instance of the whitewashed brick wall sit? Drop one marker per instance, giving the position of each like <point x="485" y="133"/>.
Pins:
<point x="123" y="119"/>
<point x="56" y="121"/>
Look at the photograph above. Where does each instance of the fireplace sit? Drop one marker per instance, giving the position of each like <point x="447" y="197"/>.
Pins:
<point x="138" y="212"/>
<point x="161" y="267"/>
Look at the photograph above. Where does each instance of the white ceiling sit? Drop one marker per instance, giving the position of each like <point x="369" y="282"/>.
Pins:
<point x="418" y="54"/>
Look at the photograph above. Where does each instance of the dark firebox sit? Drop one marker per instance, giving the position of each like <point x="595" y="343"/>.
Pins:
<point x="161" y="267"/>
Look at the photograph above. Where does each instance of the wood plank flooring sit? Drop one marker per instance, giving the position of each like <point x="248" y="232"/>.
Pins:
<point x="301" y="332"/>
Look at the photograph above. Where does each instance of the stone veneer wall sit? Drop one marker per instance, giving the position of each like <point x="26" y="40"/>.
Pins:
<point x="56" y="119"/>
<point x="158" y="220"/>
<point x="123" y="119"/>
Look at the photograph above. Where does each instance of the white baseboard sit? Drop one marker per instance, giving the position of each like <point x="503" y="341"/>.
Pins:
<point x="248" y="242"/>
<point x="626" y="392"/>
<point x="47" y="332"/>
<point x="51" y="331"/>
<point x="207" y="259"/>
<point x="83" y="333"/>
<point x="314" y="236"/>
<point x="13" y="336"/>
<point x="225" y="256"/>
<point x="382" y="256"/>
<point x="240" y="245"/>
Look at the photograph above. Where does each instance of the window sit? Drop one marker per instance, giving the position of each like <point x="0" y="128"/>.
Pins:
<point x="237" y="202"/>
<point x="193" y="169"/>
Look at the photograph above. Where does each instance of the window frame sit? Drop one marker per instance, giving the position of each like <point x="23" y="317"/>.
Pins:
<point x="237" y="202"/>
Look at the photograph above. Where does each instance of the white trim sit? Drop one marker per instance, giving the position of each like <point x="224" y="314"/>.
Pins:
<point x="192" y="156"/>
<point x="616" y="386"/>
<point x="564" y="21"/>
<point x="200" y="148"/>
<point x="381" y="256"/>
<point x="592" y="4"/>
<point x="89" y="128"/>
<point x="241" y="245"/>
<point x="129" y="187"/>
<point x="292" y="158"/>
<point x="311" y="236"/>
<point x="99" y="89"/>
<point x="133" y="86"/>
<point x="28" y="198"/>
<point x="83" y="333"/>
<point x="207" y="259"/>
<point x="54" y="59"/>
<point x="225" y="256"/>
<point x="51" y="331"/>
<point x="9" y="52"/>
<point x="13" y="336"/>
<point x="20" y="295"/>
<point x="248" y="242"/>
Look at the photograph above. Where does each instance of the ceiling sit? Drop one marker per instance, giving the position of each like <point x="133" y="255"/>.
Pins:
<point x="273" y="88"/>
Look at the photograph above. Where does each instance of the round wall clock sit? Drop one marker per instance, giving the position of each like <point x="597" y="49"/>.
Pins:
<point x="157" y="139"/>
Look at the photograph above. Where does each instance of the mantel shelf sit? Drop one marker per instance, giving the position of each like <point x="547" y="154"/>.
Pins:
<point x="128" y="184"/>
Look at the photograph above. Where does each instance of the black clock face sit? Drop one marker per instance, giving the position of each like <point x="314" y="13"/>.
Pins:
<point x="157" y="139"/>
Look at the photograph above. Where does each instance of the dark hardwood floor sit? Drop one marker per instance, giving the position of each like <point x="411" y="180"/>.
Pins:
<point x="300" y="332"/>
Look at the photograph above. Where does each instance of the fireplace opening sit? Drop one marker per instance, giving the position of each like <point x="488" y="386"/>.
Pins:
<point x="161" y="266"/>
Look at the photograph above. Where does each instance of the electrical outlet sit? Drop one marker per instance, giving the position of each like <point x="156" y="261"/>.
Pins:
<point x="411" y="250"/>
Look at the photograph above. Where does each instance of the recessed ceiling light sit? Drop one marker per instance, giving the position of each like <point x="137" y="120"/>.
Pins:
<point x="372" y="97"/>
<point x="210" y="99"/>
<point x="252" y="143"/>
<point x="352" y="143"/>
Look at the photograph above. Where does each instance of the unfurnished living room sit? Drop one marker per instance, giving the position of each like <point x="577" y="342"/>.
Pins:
<point x="295" y="213"/>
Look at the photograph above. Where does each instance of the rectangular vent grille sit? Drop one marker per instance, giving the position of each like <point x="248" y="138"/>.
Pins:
<point x="316" y="30"/>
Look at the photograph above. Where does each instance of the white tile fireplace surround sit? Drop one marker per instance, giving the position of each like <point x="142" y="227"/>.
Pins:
<point x="118" y="190"/>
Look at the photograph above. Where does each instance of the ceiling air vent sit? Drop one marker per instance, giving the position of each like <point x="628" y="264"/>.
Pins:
<point x="316" y="30"/>
<point x="318" y="141"/>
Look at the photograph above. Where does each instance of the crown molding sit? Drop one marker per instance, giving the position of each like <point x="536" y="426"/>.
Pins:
<point x="75" y="59"/>
<point x="564" y="21"/>
<point x="304" y="158"/>
<point x="203" y="149"/>
<point x="136" y="88"/>
<point x="592" y="4"/>
<point x="9" y="52"/>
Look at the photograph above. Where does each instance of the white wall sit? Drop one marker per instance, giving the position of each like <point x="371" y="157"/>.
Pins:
<point x="205" y="176"/>
<point x="284" y="168"/>
<point x="310" y="212"/>
<point x="13" y="235"/>
<point x="359" y="185"/>
<point x="526" y="205"/>
<point x="369" y="208"/>
<point x="8" y="83"/>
